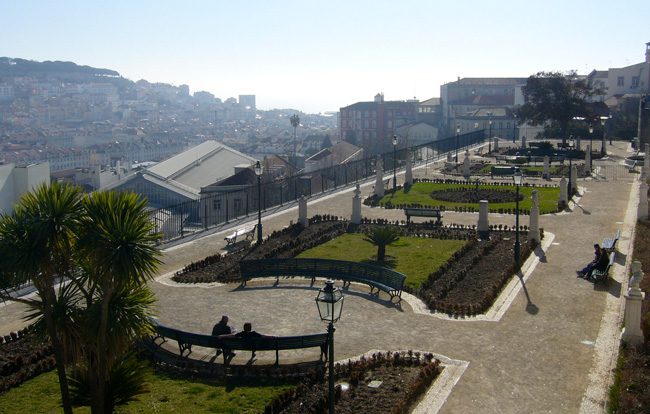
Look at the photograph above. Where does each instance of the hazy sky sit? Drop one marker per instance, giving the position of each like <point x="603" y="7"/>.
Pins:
<point x="321" y="55"/>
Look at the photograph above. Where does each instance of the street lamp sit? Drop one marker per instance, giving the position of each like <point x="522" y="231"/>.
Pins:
<point x="330" y="304"/>
<point x="394" y="164"/>
<point x="517" y="177"/>
<point x="457" y="133"/>
<point x="514" y="127"/>
<point x="258" y="173"/>
<point x="489" y="114"/>
<point x="603" y="150"/>
<point x="591" y="143"/>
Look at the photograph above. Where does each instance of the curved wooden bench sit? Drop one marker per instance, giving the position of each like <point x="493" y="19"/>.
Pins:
<point x="376" y="277"/>
<point x="186" y="340"/>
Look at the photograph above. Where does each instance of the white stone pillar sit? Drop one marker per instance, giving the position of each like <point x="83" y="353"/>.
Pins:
<point x="408" y="174"/>
<point x="578" y="144"/>
<point x="632" y="333"/>
<point x="533" y="225"/>
<point x="646" y="163"/>
<point x="302" y="211"/>
<point x="588" y="158"/>
<point x="564" y="193"/>
<point x="574" y="179"/>
<point x="495" y="145"/>
<point x="466" y="165"/>
<point x="547" y="167"/>
<point x="356" y="206"/>
<point x="642" y="209"/>
<point x="523" y="141"/>
<point x="450" y="158"/>
<point x="483" y="226"/>
<point x="379" y="181"/>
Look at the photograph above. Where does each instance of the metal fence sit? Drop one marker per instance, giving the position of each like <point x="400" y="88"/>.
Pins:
<point x="180" y="220"/>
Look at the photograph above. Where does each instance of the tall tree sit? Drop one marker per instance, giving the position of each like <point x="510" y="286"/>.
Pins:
<point x="555" y="97"/>
<point x="37" y="245"/>
<point x="117" y="251"/>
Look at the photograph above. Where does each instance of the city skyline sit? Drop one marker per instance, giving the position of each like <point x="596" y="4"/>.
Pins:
<point x="320" y="57"/>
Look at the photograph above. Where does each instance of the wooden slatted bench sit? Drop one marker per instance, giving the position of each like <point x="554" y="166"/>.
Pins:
<point x="246" y="233"/>
<point x="423" y="212"/>
<point x="609" y="243"/>
<point x="186" y="340"/>
<point x="377" y="277"/>
<point x="601" y="276"/>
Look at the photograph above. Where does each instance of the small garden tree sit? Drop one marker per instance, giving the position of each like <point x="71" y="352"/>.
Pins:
<point x="382" y="237"/>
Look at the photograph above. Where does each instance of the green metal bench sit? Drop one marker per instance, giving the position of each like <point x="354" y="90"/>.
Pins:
<point x="500" y="171"/>
<point x="603" y="275"/>
<point x="376" y="277"/>
<point x="186" y="340"/>
<point x="423" y="212"/>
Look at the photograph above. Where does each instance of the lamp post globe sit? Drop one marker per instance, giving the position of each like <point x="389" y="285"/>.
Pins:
<point x="258" y="173"/>
<point x="330" y="303"/>
<point x="394" y="164"/>
<point x="517" y="178"/>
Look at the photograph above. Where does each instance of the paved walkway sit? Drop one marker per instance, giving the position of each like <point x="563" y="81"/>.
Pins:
<point x="544" y="355"/>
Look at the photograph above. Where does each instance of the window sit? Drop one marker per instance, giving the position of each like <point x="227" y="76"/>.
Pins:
<point x="216" y="204"/>
<point x="237" y="205"/>
<point x="635" y="81"/>
<point x="620" y="81"/>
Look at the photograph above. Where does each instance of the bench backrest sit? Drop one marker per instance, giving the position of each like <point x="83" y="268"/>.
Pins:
<point x="422" y="212"/>
<point x="269" y="343"/>
<point x="336" y="269"/>
<point x="502" y="170"/>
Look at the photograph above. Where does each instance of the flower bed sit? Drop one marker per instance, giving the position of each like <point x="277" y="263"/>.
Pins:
<point x="403" y="378"/>
<point x="23" y="356"/>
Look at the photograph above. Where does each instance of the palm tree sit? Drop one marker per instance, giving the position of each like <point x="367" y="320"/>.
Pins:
<point x="382" y="237"/>
<point x="295" y="122"/>
<point x="117" y="252"/>
<point x="36" y="244"/>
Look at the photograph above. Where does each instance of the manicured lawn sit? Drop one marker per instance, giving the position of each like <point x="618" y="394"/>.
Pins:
<point x="419" y="193"/>
<point x="168" y="394"/>
<point x="553" y="169"/>
<point x="413" y="256"/>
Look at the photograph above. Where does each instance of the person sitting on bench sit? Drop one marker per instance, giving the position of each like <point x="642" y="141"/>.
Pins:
<point x="222" y="328"/>
<point x="601" y="265"/>
<point x="248" y="332"/>
<point x="586" y="271"/>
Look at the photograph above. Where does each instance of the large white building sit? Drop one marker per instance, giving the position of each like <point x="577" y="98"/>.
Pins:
<point x="16" y="181"/>
<point x="628" y="80"/>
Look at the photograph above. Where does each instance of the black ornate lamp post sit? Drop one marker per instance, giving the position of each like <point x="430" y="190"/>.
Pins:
<point x="330" y="304"/>
<point x="394" y="163"/>
<point x="603" y="150"/>
<point x="457" y="133"/>
<point x="489" y="114"/>
<point x="591" y="144"/>
<point x="258" y="173"/>
<point x="517" y="177"/>
<point x="514" y="127"/>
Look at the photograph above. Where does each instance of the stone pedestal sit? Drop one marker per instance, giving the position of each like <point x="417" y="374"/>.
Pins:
<point x="574" y="179"/>
<point x="533" y="225"/>
<point x="466" y="165"/>
<point x="632" y="333"/>
<point x="642" y="209"/>
<point x="547" y="167"/>
<point x="495" y="145"/>
<point x="483" y="226"/>
<point x="356" y="206"/>
<point x="588" y="157"/>
<point x="578" y="144"/>
<point x="523" y="142"/>
<point x="450" y="158"/>
<point x="408" y="174"/>
<point x="302" y="211"/>
<point x="564" y="199"/>
<point x="379" y="181"/>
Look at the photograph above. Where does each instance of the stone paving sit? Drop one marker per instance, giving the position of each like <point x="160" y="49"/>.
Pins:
<point x="549" y="352"/>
